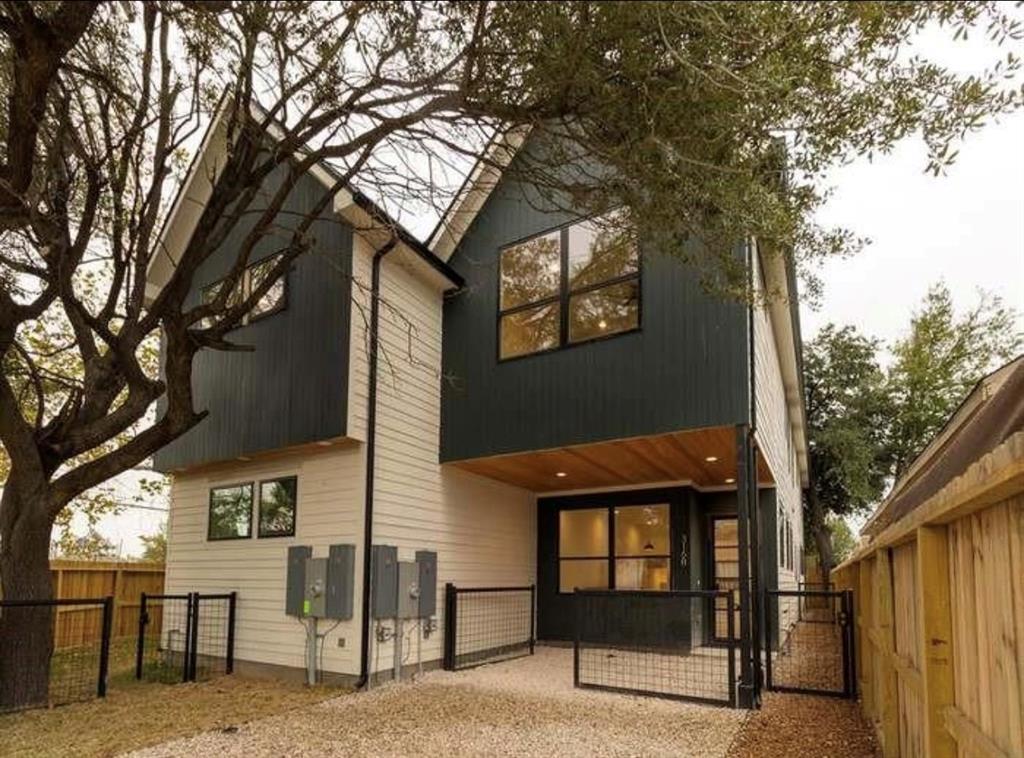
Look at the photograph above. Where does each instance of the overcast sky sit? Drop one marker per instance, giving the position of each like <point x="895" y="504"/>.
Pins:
<point x="966" y="228"/>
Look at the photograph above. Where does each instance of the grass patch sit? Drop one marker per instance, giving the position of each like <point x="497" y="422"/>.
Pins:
<point x="138" y="714"/>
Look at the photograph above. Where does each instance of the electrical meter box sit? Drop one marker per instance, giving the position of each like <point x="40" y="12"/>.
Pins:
<point x="295" y="588"/>
<point x="427" y="561"/>
<point x="320" y="587"/>
<point x="384" y="582"/>
<point x="408" y="590"/>
<point x="341" y="564"/>
<point x="315" y="601"/>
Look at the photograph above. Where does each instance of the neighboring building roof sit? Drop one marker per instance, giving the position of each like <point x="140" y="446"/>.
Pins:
<point x="990" y="414"/>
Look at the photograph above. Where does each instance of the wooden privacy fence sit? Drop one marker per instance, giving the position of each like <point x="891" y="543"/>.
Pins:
<point x="940" y="617"/>
<point x="124" y="581"/>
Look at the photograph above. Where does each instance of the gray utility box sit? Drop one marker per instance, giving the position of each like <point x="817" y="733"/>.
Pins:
<point x="341" y="569"/>
<point x="320" y="587"/>
<point x="427" y="562"/>
<point x="295" y="589"/>
<point x="408" y="590"/>
<point x="315" y="602"/>
<point x="384" y="582"/>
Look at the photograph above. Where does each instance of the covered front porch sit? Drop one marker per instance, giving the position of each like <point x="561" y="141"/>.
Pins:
<point x="664" y="515"/>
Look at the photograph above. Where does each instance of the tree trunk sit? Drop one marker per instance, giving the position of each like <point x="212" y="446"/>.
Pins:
<point x="822" y="536"/>
<point x="26" y="633"/>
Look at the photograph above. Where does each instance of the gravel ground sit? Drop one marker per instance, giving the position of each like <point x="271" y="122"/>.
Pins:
<point x="523" y="707"/>
<point x="789" y="725"/>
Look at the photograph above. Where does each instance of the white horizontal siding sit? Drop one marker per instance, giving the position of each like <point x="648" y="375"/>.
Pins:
<point x="483" y="531"/>
<point x="774" y="435"/>
<point x="329" y="511"/>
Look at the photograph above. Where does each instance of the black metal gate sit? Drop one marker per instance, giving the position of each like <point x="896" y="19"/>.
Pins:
<point x="662" y="644"/>
<point x="185" y="638"/>
<point x="488" y="624"/>
<point x="810" y="642"/>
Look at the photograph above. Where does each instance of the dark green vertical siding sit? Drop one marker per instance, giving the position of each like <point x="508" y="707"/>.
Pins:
<point x="685" y="368"/>
<point x="292" y="388"/>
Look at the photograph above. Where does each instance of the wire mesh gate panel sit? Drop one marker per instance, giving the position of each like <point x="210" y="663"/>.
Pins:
<point x="487" y="624"/>
<point x="663" y="644"/>
<point x="185" y="638"/>
<point x="810" y="642"/>
<point x="79" y="664"/>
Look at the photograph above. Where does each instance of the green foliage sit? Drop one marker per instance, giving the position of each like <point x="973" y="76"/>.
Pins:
<point x="92" y="546"/>
<point x="843" y="539"/>
<point x="155" y="546"/>
<point x="848" y="408"/>
<point x="721" y="120"/>
<point x="865" y="425"/>
<point x="938" y="362"/>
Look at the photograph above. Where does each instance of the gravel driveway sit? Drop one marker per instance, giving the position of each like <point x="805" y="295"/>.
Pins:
<point x="522" y="707"/>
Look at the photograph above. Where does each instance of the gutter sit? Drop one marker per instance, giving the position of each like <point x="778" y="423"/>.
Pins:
<point x="371" y="450"/>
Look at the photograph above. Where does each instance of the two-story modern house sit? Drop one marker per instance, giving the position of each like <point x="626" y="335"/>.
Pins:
<point x="535" y="399"/>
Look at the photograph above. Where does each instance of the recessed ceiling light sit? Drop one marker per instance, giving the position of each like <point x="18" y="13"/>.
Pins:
<point x="324" y="443"/>
<point x="602" y="324"/>
<point x="711" y="458"/>
<point x="730" y="480"/>
<point x="560" y="474"/>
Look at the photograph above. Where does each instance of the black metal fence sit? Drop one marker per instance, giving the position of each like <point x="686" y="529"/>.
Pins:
<point x="814" y="606"/>
<point x="810" y="645"/>
<point x="487" y="624"/>
<point x="664" y="644"/>
<point x="78" y="669"/>
<point x="185" y="638"/>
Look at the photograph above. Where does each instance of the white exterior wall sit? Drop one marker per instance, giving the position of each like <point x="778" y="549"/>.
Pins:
<point x="484" y="532"/>
<point x="328" y="511"/>
<point x="775" y="439"/>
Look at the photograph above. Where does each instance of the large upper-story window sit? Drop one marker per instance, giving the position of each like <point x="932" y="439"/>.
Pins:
<point x="571" y="285"/>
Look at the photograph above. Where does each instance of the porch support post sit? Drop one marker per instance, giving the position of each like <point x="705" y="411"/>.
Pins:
<point x="747" y="688"/>
<point x="757" y="624"/>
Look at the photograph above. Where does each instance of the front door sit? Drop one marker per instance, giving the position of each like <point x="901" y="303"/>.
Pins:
<point x="725" y="573"/>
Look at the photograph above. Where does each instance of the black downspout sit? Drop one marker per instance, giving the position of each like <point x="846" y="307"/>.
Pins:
<point x="371" y="449"/>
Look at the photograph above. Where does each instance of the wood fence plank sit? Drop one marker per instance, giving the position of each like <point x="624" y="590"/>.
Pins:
<point x="887" y="689"/>
<point x="936" y="638"/>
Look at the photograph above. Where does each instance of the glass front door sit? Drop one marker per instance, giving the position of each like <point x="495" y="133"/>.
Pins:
<point x="725" y="573"/>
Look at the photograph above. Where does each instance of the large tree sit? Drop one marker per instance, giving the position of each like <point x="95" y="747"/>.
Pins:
<point x="939" y="360"/>
<point x="677" y="112"/>
<point x="866" y="423"/>
<point x="848" y="414"/>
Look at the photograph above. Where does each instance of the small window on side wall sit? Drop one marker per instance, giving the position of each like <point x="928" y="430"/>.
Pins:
<point x="274" y="298"/>
<point x="230" y="512"/>
<point x="277" y="507"/>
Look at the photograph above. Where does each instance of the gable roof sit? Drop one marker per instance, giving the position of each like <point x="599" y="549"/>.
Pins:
<point x="471" y="197"/>
<point x="180" y="222"/>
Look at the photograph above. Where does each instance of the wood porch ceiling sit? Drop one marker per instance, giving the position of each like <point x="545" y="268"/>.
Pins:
<point x="676" y="456"/>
